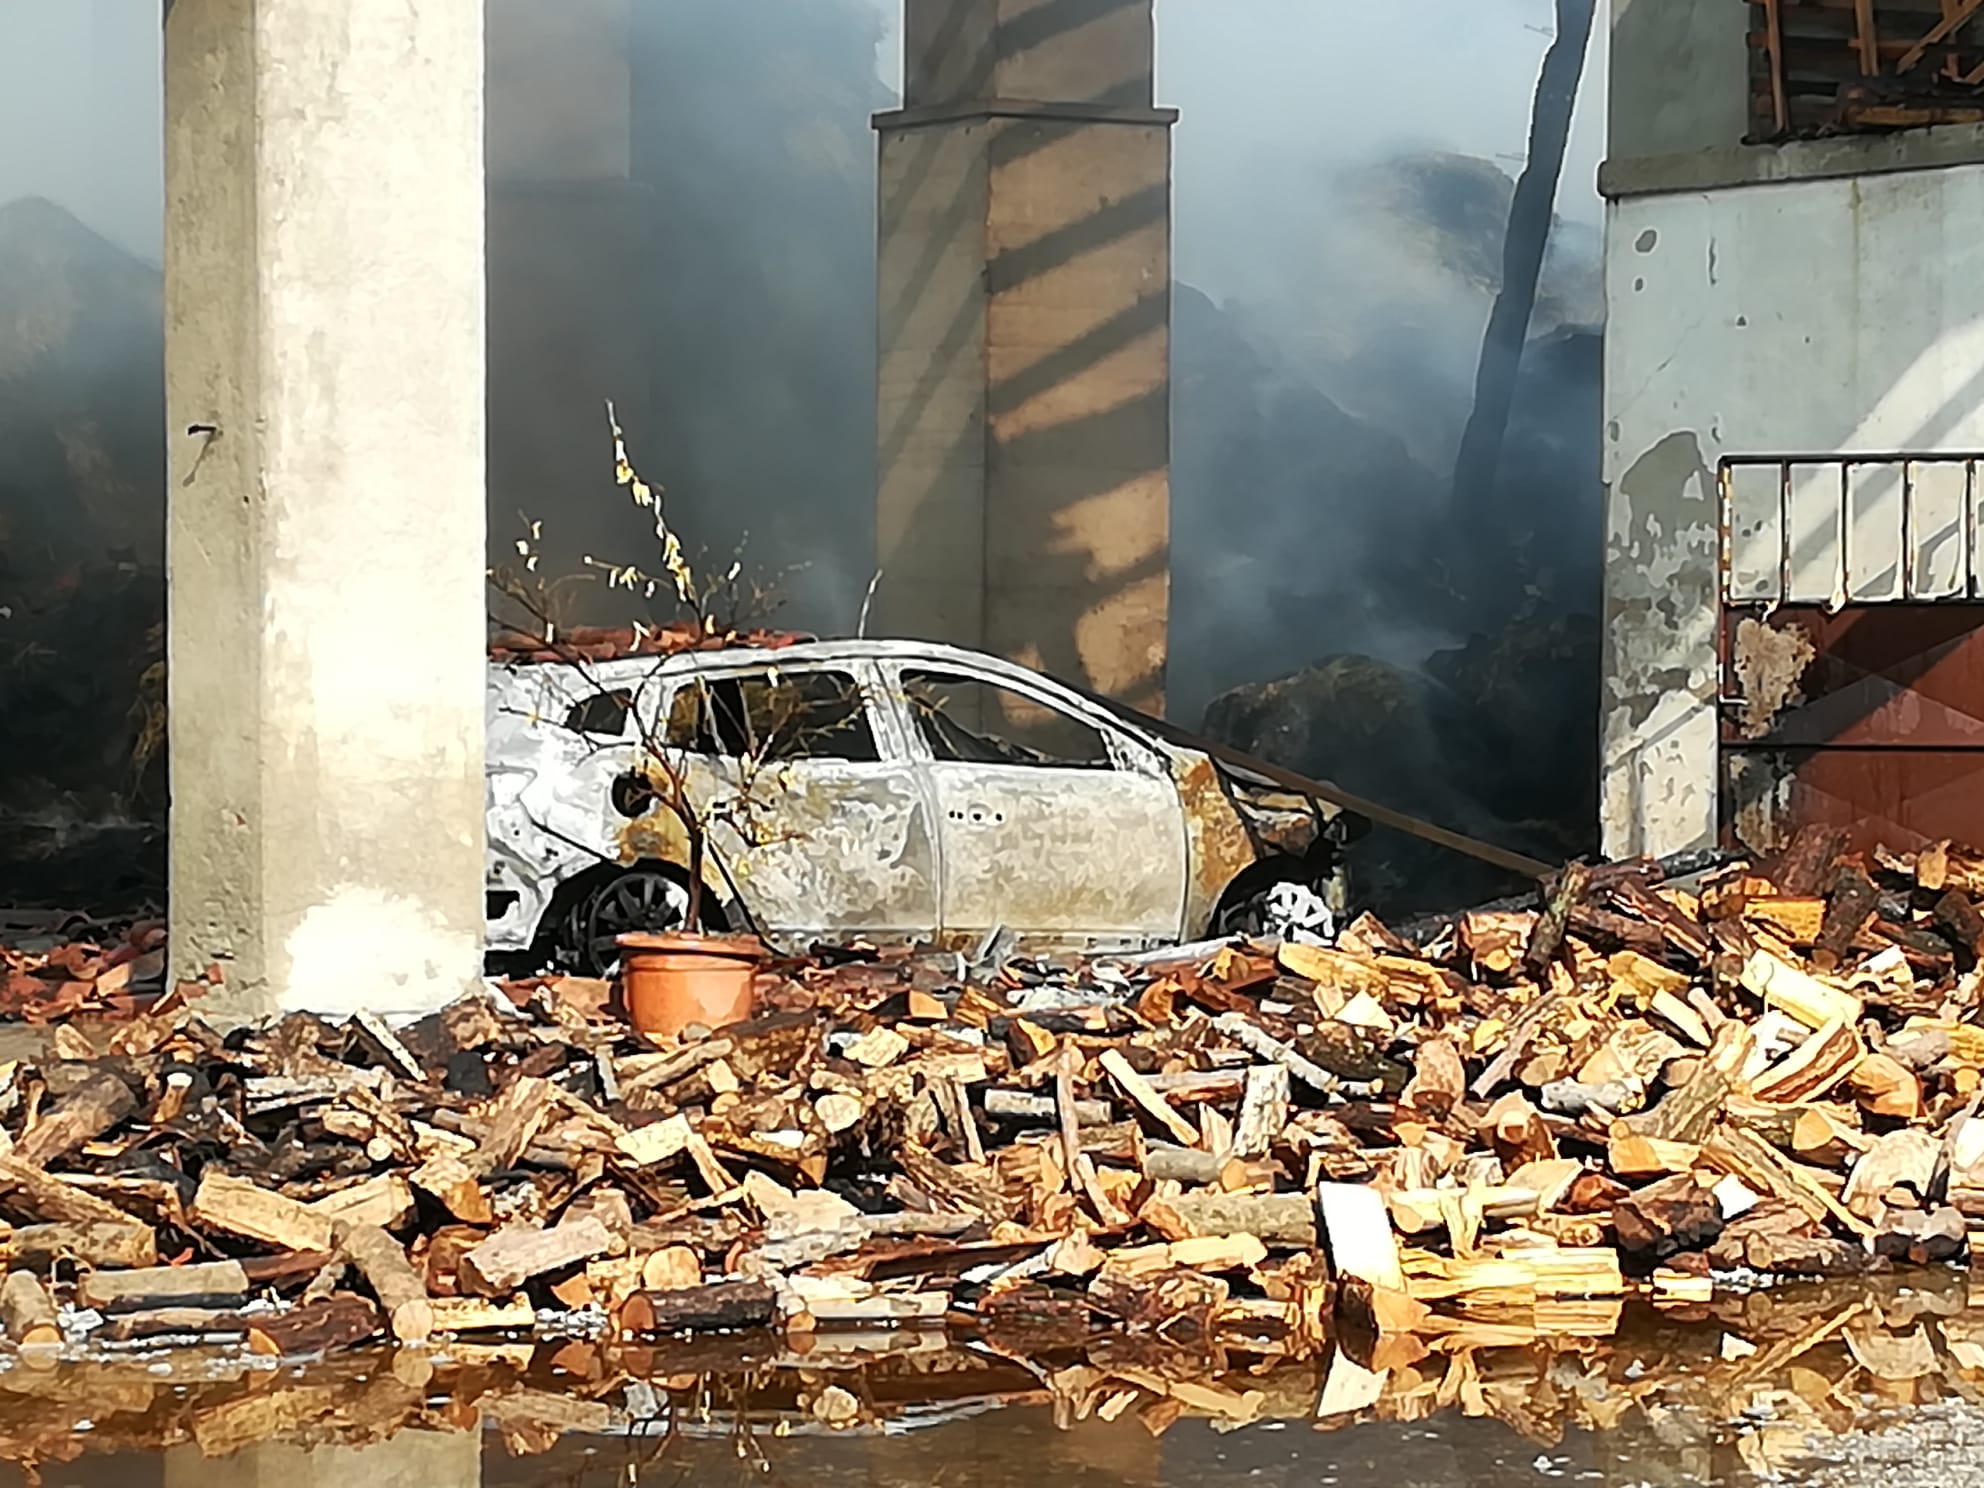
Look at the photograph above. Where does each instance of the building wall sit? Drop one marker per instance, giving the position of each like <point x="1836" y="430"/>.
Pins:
<point x="1679" y="76"/>
<point x="1838" y="314"/>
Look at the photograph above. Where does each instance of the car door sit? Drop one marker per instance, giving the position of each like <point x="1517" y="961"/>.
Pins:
<point x="1056" y="826"/>
<point x="815" y="810"/>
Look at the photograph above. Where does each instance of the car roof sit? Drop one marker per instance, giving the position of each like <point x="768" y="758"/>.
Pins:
<point x="810" y="653"/>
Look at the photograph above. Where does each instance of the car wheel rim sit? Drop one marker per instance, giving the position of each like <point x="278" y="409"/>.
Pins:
<point x="631" y="903"/>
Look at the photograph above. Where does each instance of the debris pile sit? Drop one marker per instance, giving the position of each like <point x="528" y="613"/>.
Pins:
<point x="1644" y="1086"/>
<point x="80" y="970"/>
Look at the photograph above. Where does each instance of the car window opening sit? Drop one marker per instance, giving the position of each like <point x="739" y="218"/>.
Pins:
<point x="964" y="720"/>
<point x="774" y="716"/>
<point x="601" y="716"/>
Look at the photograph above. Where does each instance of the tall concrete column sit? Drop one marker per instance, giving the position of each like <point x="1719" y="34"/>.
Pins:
<point x="1025" y="314"/>
<point x="325" y="538"/>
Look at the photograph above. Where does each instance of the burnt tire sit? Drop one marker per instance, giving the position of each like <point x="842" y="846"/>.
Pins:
<point x="643" y="898"/>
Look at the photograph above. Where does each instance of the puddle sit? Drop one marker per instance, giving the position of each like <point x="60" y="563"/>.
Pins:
<point x="1719" y="1392"/>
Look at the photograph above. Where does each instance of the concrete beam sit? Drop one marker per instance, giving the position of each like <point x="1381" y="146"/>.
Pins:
<point x="1023" y="441"/>
<point x="1795" y="160"/>
<point x="325" y="540"/>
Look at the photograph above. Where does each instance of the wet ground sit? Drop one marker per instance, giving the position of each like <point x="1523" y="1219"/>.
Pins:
<point x="1832" y="1387"/>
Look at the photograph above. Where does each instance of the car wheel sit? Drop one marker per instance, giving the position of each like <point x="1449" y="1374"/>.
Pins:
<point x="1286" y="909"/>
<point x="641" y="899"/>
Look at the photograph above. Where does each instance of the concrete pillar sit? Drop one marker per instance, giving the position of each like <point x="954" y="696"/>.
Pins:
<point x="325" y="538"/>
<point x="412" y="1459"/>
<point x="1025" y="315"/>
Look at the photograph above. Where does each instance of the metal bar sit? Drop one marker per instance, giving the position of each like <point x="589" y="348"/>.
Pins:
<point x="1784" y="533"/>
<point x="1725" y="498"/>
<point x="1843" y="577"/>
<point x="1908" y="529"/>
<point x="1970" y="528"/>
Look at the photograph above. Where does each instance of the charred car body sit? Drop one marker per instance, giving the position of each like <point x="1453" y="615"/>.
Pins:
<point x="882" y="790"/>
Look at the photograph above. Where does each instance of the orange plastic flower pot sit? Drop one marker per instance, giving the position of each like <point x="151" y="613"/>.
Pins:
<point x="677" y="978"/>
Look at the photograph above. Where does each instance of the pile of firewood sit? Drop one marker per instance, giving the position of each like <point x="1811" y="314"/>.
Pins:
<point x="1638" y="1086"/>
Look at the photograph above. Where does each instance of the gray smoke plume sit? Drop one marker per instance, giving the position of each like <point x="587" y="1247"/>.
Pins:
<point x="1339" y="210"/>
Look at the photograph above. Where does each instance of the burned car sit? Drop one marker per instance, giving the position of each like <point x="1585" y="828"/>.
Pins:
<point x="869" y="789"/>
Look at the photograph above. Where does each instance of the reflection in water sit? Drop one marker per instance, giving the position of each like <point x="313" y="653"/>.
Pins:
<point x="1715" y="1393"/>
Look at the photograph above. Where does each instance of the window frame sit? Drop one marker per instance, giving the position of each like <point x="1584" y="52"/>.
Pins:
<point x="1127" y="754"/>
<point x="879" y="719"/>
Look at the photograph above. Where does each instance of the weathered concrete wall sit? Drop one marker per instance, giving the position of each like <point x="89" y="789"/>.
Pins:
<point x="325" y="545"/>
<point x="1025" y="283"/>
<point x="1820" y="317"/>
<point x="1679" y="76"/>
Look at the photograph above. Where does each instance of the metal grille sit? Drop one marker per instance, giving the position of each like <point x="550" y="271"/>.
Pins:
<point x="1866" y="529"/>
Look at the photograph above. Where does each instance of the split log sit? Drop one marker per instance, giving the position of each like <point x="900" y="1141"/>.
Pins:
<point x="1899" y="1159"/>
<point x="34" y="1194"/>
<point x="513" y="1119"/>
<point x="29" y="1312"/>
<point x="1263" y="1111"/>
<point x="722" y="1306"/>
<point x="1439" y="1078"/>
<point x="1258" y="1041"/>
<point x="451" y="1181"/>
<point x="1805" y="866"/>
<point x="1764" y="1169"/>
<point x="1783" y="986"/>
<point x="1358" y="1231"/>
<point x="240" y="1207"/>
<point x="1146" y="1099"/>
<point x="1181" y="1164"/>
<point x="385" y="1201"/>
<point x="1817" y="1136"/>
<point x="509" y="1258"/>
<point x="1547" y="938"/>
<point x="315" y="1328"/>
<point x="1679" y="930"/>
<point x="214" y="1284"/>
<point x="1686" y="1115"/>
<point x="1850" y="908"/>
<point x="478" y="1315"/>
<point x="1887" y="1087"/>
<point x="209" y="1324"/>
<point x="1283" y="1220"/>
<point x="1666" y="1218"/>
<point x="1923" y="1238"/>
<point x="124" y="1245"/>
<point x="1017" y="1105"/>
<point x="383" y="1264"/>
<point x="83" y="1116"/>
<point x="1811" y="1069"/>
<point x="1958" y="914"/>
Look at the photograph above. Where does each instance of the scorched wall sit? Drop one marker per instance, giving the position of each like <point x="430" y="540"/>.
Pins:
<point x="1754" y="314"/>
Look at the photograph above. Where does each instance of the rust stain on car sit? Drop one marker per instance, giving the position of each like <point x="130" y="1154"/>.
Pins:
<point x="1222" y="847"/>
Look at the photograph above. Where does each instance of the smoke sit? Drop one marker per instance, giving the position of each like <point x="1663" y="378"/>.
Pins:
<point x="1343" y="174"/>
